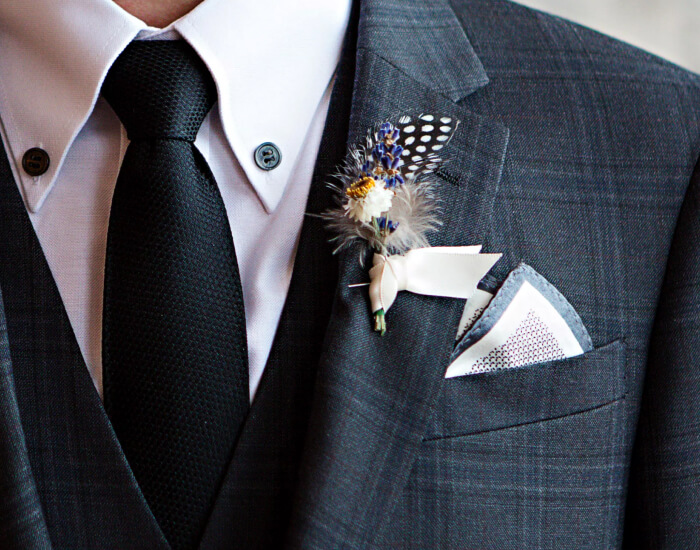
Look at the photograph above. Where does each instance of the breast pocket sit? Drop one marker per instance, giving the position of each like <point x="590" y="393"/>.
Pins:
<point x="510" y="397"/>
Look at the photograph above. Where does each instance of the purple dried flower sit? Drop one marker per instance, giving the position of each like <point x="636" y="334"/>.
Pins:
<point x="384" y="223"/>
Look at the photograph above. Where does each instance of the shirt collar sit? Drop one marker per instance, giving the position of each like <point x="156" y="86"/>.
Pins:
<point x="272" y="62"/>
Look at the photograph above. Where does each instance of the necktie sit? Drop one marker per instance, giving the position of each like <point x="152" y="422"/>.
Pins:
<point x="174" y="342"/>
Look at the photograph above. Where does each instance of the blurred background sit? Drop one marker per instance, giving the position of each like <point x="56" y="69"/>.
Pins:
<point x="669" y="28"/>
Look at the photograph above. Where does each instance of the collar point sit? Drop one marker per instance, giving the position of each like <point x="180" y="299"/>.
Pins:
<point x="35" y="192"/>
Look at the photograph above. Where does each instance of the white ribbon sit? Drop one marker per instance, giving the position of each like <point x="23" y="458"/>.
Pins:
<point x="450" y="271"/>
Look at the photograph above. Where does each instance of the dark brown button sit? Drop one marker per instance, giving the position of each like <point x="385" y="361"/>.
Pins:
<point x="36" y="161"/>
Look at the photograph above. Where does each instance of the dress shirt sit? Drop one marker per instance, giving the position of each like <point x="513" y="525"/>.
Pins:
<point x="273" y="64"/>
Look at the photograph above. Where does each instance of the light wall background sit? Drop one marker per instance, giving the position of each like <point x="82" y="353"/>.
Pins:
<point x="669" y="28"/>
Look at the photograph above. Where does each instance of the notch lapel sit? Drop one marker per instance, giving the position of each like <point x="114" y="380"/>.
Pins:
<point x="374" y="395"/>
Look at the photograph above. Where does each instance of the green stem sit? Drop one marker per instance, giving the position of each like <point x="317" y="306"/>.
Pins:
<point x="377" y="231"/>
<point x="379" y="322"/>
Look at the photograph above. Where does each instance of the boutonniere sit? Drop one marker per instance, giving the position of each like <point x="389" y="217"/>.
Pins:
<point x="386" y="201"/>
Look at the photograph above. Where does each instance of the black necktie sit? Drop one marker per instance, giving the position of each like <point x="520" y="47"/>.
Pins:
<point x="174" y="342"/>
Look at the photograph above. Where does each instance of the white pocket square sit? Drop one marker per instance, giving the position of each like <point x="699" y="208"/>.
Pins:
<point x="528" y="321"/>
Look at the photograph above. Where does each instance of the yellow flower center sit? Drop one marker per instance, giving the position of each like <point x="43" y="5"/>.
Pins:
<point x="360" y="188"/>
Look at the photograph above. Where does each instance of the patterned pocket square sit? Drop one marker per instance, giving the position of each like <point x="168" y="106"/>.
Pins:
<point x="527" y="322"/>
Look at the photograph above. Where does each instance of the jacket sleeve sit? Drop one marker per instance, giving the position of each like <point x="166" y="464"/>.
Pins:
<point x="663" y="505"/>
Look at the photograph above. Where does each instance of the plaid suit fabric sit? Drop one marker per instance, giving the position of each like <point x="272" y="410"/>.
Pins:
<point x="592" y="196"/>
<point x="601" y="145"/>
<point x="576" y="154"/>
<point x="86" y="490"/>
<point x="663" y="507"/>
<point x="20" y="509"/>
<point x="603" y="140"/>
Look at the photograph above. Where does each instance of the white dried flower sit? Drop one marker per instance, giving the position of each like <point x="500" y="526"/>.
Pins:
<point x="373" y="204"/>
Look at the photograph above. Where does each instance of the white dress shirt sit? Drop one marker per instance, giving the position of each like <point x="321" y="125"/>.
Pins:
<point x="273" y="64"/>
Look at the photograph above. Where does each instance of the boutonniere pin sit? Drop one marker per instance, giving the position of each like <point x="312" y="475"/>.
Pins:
<point x="386" y="200"/>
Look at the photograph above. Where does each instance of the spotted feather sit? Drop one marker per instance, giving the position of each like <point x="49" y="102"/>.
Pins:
<point x="422" y="138"/>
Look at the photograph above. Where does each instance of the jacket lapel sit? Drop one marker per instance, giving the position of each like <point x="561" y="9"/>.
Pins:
<point x="374" y="395"/>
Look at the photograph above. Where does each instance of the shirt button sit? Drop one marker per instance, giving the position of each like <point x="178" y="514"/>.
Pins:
<point x="267" y="156"/>
<point x="35" y="162"/>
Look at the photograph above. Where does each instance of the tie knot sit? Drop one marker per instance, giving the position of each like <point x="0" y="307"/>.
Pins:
<point x="160" y="89"/>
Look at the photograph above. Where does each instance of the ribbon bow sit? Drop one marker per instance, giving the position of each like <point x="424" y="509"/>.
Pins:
<point x="449" y="271"/>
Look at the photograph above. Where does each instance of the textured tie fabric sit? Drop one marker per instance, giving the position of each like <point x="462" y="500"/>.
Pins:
<point x="174" y="340"/>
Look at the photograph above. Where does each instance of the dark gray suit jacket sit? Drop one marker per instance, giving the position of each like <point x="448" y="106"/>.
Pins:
<point x="575" y="154"/>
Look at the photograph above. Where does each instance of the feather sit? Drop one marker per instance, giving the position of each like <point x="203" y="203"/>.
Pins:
<point x="401" y="157"/>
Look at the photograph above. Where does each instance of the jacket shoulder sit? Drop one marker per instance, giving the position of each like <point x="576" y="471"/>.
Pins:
<point x="547" y="59"/>
<point x="514" y="30"/>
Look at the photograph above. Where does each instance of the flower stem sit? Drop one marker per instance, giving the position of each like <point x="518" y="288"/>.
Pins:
<point x="379" y="322"/>
<point x="377" y="231"/>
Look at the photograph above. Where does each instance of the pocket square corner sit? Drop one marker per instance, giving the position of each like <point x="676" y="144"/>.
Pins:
<point x="528" y="321"/>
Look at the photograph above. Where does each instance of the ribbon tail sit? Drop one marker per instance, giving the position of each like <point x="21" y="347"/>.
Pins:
<point x="446" y="272"/>
<point x="452" y="272"/>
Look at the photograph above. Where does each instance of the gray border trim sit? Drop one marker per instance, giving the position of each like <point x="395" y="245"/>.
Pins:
<point x="504" y="297"/>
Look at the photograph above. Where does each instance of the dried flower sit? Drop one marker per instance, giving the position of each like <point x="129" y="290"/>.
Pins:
<point x="375" y="202"/>
<point x="389" y="206"/>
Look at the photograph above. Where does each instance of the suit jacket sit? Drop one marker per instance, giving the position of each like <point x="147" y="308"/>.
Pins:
<point x="576" y="154"/>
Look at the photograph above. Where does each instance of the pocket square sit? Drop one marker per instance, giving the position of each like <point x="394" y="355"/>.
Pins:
<point x="528" y="321"/>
